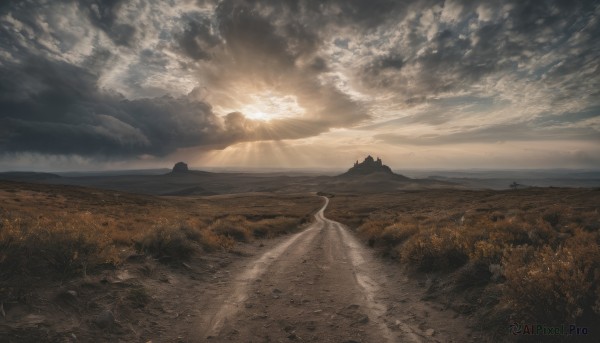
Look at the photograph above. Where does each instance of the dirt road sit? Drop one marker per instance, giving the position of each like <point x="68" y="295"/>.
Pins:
<point x="321" y="285"/>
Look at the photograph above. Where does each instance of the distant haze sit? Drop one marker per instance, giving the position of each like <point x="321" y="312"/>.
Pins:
<point x="136" y="84"/>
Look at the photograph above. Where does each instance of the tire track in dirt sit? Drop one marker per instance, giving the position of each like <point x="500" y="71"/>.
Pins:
<point x="320" y="285"/>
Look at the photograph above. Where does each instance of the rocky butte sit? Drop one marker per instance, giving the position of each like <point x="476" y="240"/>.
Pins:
<point x="180" y="167"/>
<point x="368" y="166"/>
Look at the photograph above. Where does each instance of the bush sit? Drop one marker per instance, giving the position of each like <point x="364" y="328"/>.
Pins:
<point x="371" y="230"/>
<point x="553" y="286"/>
<point x="397" y="233"/>
<point x="211" y="241"/>
<point x="64" y="249"/>
<point x="235" y="227"/>
<point x="434" y="250"/>
<point x="273" y="227"/>
<point x="166" y="244"/>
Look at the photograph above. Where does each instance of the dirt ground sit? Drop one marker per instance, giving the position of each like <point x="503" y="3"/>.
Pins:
<point x="322" y="285"/>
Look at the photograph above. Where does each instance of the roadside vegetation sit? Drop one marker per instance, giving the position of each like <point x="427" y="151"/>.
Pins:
<point x="525" y="256"/>
<point x="59" y="232"/>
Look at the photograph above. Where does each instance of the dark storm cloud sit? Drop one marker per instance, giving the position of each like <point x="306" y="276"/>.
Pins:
<point x="58" y="109"/>
<point x="249" y="33"/>
<point x="198" y="37"/>
<point x="103" y="14"/>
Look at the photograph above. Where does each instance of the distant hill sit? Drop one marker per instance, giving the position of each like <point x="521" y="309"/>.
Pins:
<point x="373" y="169"/>
<point x="180" y="169"/>
<point x="27" y="176"/>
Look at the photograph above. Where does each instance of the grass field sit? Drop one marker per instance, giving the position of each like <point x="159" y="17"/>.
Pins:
<point x="530" y="255"/>
<point x="57" y="232"/>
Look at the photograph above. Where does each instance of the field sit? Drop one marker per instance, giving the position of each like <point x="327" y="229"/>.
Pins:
<point x="526" y="256"/>
<point x="519" y="256"/>
<point x="51" y="236"/>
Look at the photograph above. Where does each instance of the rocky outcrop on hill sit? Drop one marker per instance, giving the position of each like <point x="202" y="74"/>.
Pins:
<point x="180" y="167"/>
<point x="368" y="166"/>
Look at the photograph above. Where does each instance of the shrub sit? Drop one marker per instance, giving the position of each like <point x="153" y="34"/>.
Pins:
<point x="235" y="227"/>
<point x="371" y="230"/>
<point x="554" y="285"/>
<point x="211" y="241"/>
<point x="66" y="248"/>
<point x="273" y="227"/>
<point x="166" y="244"/>
<point x="397" y="233"/>
<point x="434" y="250"/>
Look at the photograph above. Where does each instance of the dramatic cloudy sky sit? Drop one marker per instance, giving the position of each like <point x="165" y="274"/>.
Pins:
<point x="94" y="84"/>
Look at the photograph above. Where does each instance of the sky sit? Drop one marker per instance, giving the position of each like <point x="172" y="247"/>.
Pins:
<point x="127" y="84"/>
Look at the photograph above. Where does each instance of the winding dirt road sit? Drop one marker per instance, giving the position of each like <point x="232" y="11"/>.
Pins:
<point x="321" y="285"/>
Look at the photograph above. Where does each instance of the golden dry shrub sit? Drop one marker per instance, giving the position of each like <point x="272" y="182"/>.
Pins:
<point x="72" y="245"/>
<point x="166" y="243"/>
<point x="553" y="285"/>
<point x="398" y="232"/>
<point x="210" y="241"/>
<point x="371" y="230"/>
<point x="236" y="227"/>
<point x="434" y="250"/>
<point x="272" y="227"/>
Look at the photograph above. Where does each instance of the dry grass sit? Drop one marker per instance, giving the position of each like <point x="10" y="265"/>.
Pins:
<point x="537" y="251"/>
<point x="57" y="232"/>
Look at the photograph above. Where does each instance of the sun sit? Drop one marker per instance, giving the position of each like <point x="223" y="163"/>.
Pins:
<point x="258" y="114"/>
<point x="269" y="105"/>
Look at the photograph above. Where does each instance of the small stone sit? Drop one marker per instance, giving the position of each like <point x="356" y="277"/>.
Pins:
<point x="105" y="319"/>
<point x="363" y="320"/>
<point x="429" y="332"/>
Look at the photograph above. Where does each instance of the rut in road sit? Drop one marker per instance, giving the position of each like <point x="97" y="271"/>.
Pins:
<point x="318" y="285"/>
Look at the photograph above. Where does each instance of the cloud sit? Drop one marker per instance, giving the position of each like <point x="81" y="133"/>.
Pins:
<point x="519" y="132"/>
<point x="198" y="37"/>
<point x="57" y="109"/>
<point x="128" y="78"/>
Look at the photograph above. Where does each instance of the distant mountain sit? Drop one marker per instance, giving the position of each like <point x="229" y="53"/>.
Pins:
<point x="371" y="166"/>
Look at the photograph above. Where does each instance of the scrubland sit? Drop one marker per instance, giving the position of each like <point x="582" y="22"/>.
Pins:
<point x="528" y="256"/>
<point x="60" y="232"/>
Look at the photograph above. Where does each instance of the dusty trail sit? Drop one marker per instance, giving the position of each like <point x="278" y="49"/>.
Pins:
<point x="318" y="285"/>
